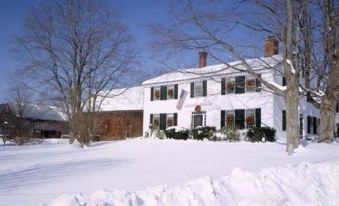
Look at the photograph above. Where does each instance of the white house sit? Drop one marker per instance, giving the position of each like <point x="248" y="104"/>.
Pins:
<point x="218" y="95"/>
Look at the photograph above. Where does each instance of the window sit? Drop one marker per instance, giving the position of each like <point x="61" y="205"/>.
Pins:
<point x="229" y="118"/>
<point x="250" y="84"/>
<point x="310" y="125"/>
<point x="284" y="120"/>
<point x="170" y="120"/>
<point x="164" y="92"/>
<point x="170" y="92"/>
<point x="163" y="121"/>
<point x="241" y="118"/>
<point x="156" y="93"/>
<point x="199" y="89"/>
<point x="156" y="121"/>
<point x="230" y="85"/>
<point x="198" y="119"/>
<point x="250" y="118"/>
<point x="301" y="125"/>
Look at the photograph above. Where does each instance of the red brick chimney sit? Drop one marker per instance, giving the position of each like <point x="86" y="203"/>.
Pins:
<point x="271" y="46"/>
<point x="202" y="59"/>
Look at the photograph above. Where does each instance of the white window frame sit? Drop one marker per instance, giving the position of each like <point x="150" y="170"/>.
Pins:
<point x="169" y="87"/>
<point x="168" y="116"/>
<point x="230" y="79"/>
<point x="154" y="91"/>
<point x="247" y="111"/>
<point x="198" y="84"/>
<point x="156" y="116"/>
<point x="229" y="112"/>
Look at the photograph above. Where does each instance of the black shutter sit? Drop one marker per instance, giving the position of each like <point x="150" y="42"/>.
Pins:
<point x="162" y="121"/>
<point x="163" y="92"/>
<point x="314" y="125"/>
<point x="152" y="93"/>
<point x="308" y="125"/>
<point x="175" y="117"/>
<point x="175" y="91"/>
<point x="204" y="88"/>
<point x="192" y="89"/>
<point x="337" y="110"/>
<point x="222" y="119"/>
<point x="258" y="117"/>
<point x="223" y="90"/>
<point x="151" y="118"/>
<point x="240" y="84"/>
<point x="284" y="81"/>
<point x="258" y="84"/>
<point x="240" y="118"/>
<point x="284" y="120"/>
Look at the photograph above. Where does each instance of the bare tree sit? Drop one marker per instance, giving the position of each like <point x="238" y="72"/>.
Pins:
<point x="331" y="92"/>
<point x="196" y="28"/>
<point x="19" y="100"/>
<point x="72" y="51"/>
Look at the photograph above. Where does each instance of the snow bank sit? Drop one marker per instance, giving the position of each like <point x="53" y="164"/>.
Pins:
<point x="305" y="184"/>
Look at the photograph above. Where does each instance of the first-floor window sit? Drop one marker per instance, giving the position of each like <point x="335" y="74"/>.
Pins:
<point x="241" y="118"/>
<point x="230" y="118"/>
<point x="250" y="118"/>
<point x="163" y="120"/>
<point x="170" y="120"/>
<point x="156" y="121"/>
<point x="301" y="124"/>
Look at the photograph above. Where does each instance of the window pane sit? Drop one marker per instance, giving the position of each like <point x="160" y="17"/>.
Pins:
<point x="229" y="86"/>
<point x="198" y="89"/>
<point x="250" y="118"/>
<point x="170" y="92"/>
<point x="170" y="120"/>
<point x="230" y="118"/>
<point x="156" y="121"/>
<point x="250" y="84"/>
<point x="156" y="93"/>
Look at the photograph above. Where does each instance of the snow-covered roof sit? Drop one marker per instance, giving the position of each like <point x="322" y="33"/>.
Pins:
<point x="124" y="99"/>
<point x="214" y="70"/>
<point x="42" y="112"/>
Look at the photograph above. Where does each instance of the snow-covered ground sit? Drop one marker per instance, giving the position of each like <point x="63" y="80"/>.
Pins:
<point x="40" y="173"/>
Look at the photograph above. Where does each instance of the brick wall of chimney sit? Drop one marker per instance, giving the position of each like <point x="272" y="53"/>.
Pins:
<point x="202" y="59"/>
<point x="271" y="46"/>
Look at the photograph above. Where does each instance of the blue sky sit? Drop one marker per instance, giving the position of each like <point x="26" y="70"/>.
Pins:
<point x="138" y="14"/>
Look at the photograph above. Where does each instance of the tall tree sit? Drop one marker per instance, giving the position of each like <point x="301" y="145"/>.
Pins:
<point x="331" y="92"/>
<point x="74" y="51"/>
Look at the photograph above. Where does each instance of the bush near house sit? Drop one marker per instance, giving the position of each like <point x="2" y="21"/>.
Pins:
<point x="261" y="134"/>
<point x="160" y="134"/>
<point x="232" y="134"/>
<point x="173" y="134"/>
<point x="201" y="133"/>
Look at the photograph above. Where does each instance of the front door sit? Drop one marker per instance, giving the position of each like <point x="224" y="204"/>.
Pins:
<point x="197" y="120"/>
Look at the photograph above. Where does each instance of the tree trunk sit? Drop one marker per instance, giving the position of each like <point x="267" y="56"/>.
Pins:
<point x="327" y="118"/>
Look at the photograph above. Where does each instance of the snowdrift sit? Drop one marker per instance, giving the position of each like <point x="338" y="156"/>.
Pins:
<point x="305" y="184"/>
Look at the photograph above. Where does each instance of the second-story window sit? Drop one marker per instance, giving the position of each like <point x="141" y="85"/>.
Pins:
<point x="170" y="92"/>
<point x="199" y="89"/>
<point x="230" y="85"/>
<point x="156" y="93"/>
<point x="250" y="84"/>
<point x="164" y="92"/>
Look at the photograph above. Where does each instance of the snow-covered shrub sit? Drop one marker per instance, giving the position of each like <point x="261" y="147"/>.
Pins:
<point x="232" y="134"/>
<point x="177" y="133"/>
<point x="262" y="134"/>
<point x="200" y="133"/>
<point x="160" y="134"/>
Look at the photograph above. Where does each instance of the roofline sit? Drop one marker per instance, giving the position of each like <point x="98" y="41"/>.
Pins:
<point x="207" y="75"/>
